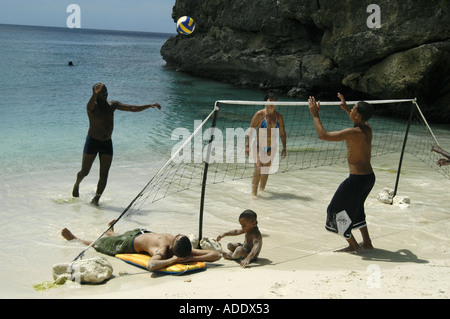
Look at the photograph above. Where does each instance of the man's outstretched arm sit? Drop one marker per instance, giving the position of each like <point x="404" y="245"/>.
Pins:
<point x="133" y="108"/>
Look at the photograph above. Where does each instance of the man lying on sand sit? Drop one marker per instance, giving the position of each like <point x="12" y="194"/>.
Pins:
<point x="165" y="249"/>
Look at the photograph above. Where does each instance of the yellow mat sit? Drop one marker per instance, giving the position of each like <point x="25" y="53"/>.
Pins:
<point x="141" y="260"/>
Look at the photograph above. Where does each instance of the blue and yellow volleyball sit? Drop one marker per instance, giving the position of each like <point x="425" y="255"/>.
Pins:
<point x="185" y="25"/>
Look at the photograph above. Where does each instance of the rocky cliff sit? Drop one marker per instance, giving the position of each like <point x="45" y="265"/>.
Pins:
<point x="396" y="49"/>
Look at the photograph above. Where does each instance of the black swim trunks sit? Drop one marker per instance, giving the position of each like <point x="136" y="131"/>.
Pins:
<point x="93" y="146"/>
<point x="346" y="209"/>
<point x="121" y="244"/>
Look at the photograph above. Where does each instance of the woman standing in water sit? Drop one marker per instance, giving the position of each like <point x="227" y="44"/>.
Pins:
<point x="266" y="123"/>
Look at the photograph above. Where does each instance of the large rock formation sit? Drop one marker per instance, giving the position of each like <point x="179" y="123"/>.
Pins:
<point x="319" y="47"/>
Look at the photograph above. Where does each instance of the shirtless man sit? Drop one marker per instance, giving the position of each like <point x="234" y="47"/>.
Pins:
<point x="98" y="140"/>
<point x="165" y="249"/>
<point x="439" y="150"/>
<point x="346" y="210"/>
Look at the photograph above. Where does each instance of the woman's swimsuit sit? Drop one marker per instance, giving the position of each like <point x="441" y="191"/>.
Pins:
<point x="264" y="125"/>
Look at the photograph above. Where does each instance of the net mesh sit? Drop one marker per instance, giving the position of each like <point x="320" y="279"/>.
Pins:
<point x="228" y="160"/>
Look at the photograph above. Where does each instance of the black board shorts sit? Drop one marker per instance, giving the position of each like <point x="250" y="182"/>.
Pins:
<point x="346" y="210"/>
<point x="93" y="146"/>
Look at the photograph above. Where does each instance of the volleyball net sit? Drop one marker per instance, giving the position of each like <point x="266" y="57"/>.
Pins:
<point x="219" y="143"/>
<point x="215" y="152"/>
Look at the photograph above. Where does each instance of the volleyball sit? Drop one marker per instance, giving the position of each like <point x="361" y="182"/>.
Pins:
<point x="185" y="25"/>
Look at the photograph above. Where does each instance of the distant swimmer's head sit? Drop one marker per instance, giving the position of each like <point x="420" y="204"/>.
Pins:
<point x="182" y="246"/>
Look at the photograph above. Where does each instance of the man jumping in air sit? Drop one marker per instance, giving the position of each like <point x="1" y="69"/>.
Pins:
<point x="101" y="125"/>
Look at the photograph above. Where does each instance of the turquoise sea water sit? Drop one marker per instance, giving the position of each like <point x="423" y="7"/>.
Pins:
<point x="43" y="125"/>
<point x="43" y="100"/>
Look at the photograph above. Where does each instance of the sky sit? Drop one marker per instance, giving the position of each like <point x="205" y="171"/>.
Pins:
<point x="126" y="15"/>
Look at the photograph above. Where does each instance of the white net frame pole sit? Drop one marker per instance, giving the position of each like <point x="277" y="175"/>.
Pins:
<point x="306" y="103"/>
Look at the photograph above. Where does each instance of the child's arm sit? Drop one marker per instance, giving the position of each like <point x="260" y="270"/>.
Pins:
<point x="230" y="233"/>
<point x="257" y="244"/>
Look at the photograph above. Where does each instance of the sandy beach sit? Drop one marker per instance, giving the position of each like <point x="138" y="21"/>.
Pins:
<point x="410" y="260"/>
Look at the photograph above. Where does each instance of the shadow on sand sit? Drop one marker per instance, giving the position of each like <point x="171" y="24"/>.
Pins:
<point x="402" y="255"/>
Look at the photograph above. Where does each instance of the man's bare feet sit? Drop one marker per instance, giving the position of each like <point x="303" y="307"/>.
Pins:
<point x="442" y="162"/>
<point x="95" y="200"/>
<point x="67" y="234"/>
<point x="75" y="191"/>
<point x="357" y="250"/>
<point x="353" y="247"/>
<point x="254" y="191"/>
<point x="437" y="149"/>
<point x="110" y="231"/>
<point x="349" y="249"/>
<point x="367" y="246"/>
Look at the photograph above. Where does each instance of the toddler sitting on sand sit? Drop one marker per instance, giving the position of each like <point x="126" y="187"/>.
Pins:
<point x="248" y="251"/>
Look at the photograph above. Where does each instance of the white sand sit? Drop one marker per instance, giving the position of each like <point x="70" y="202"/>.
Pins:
<point x="411" y="258"/>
